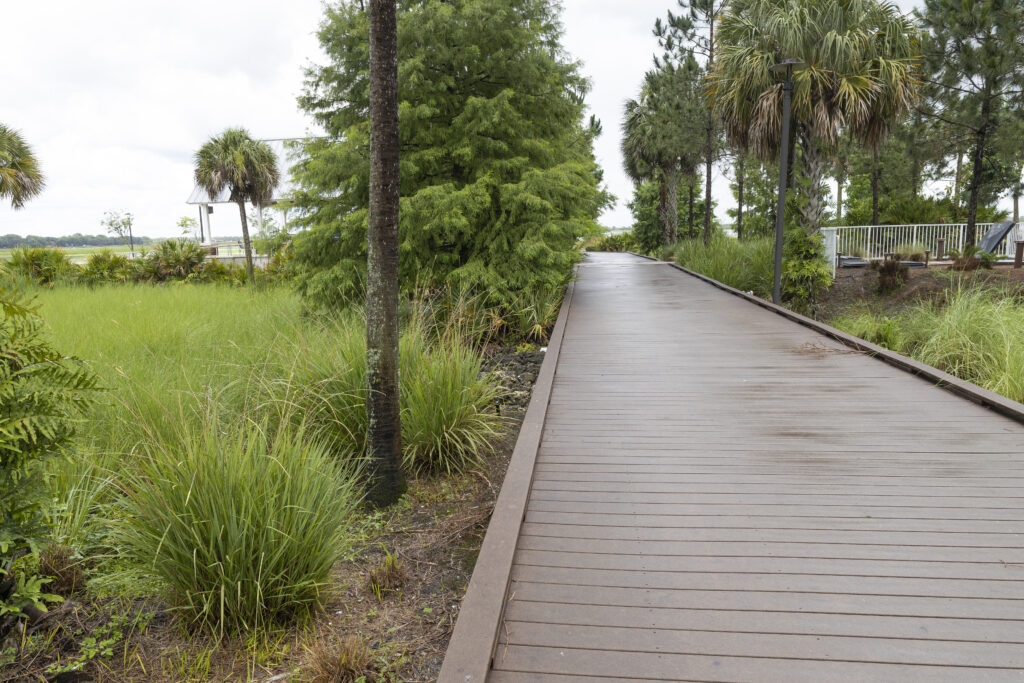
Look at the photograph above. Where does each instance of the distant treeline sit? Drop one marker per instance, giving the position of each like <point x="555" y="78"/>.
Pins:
<point x="76" y="240"/>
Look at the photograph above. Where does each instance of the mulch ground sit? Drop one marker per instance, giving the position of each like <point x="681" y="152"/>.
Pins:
<point x="857" y="287"/>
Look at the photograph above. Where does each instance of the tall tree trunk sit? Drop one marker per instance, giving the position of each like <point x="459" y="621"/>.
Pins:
<point x="839" y="199"/>
<point x="672" y="204"/>
<point x="708" y="151"/>
<point x="689" y="222"/>
<point x="977" y="161"/>
<point x="740" y="171"/>
<point x="813" y="209"/>
<point x="874" y="187"/>
<point x="956" y="180"/>
<point x="663" y="208"/>
<point x="1016" y="206"/>
<point x="249" y="273"/>
<point x="384" y="427"/>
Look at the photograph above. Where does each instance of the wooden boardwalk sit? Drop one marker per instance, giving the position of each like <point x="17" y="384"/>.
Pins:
<point x="721" y="494"/>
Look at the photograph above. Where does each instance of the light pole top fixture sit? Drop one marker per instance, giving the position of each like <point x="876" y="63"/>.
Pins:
<point x="787" y="64"/>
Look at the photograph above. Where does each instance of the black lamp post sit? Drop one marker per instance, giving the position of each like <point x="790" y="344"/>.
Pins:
<point x="786" y="65"/>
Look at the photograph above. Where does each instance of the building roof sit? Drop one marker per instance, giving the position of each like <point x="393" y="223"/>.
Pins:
<point x="287" y="151"/>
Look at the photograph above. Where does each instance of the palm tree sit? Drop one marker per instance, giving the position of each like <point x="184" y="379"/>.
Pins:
<point x="246" y="167"/>
<point x="384" y="438"/>
<point x="661" y="136"/>
<point x="861" y="75"/>
<point x="20" y="176"/>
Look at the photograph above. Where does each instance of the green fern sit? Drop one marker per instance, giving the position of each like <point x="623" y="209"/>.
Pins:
<point x="41" y="397"/>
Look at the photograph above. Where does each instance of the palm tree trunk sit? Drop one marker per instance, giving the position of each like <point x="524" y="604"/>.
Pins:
<point x="814" y="169"/>
<point x="839" y="199"/>
<point x="663" y="207"/>
<point x="250" y="274"/>
<point x="672" y="204"/>
<point x="874" y="187"/>
<point x="384" y="427"/>
<point x="740" y="163"/>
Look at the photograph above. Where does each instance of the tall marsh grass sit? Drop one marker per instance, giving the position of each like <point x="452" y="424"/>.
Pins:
<point x="977" y="334"/>
<point x="745" y="265"/>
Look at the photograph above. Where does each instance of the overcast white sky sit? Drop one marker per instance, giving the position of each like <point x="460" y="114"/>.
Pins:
<point x="116" y="95"/>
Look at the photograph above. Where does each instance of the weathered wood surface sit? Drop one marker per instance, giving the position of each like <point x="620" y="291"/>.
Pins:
<point x="721" y="494"/>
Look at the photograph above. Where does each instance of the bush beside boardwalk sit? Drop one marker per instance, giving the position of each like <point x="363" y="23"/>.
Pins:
<point x="254" y="375"/>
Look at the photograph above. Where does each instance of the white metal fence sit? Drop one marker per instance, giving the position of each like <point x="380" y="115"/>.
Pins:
<point x="875" y="241"/>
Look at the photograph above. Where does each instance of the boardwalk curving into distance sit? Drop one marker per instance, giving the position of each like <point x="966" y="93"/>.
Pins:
<point x="721" y="494"/>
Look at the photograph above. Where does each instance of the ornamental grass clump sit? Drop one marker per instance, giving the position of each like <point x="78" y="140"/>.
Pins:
<point x="448" y="417"/>
<point x="745" y="265"/>
<point x="241" y="526"/>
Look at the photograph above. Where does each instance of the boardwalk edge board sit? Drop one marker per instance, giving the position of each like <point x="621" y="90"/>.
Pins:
<point x="962" y="388"/>
<point x="475" y="637"/>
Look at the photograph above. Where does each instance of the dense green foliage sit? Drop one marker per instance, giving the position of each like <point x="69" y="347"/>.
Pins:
<point x="215" y="392"/>
<point x="975" y="334"/>
<point x="42" y="393"/>
<point x="242" y="528"/>
<point x="497" y="175"/>
<point x="12" y="241"/>
<point x="645" y="209"/>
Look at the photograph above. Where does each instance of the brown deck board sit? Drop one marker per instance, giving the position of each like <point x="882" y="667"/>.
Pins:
<point x="723" y="494"/>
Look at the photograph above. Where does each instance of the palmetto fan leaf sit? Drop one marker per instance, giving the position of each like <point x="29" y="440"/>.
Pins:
<point x="862" y="65"/>
<point x="20" y="175"/>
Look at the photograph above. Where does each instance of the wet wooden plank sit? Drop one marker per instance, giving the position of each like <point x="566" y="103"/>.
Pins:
<point x="723" y="494"/>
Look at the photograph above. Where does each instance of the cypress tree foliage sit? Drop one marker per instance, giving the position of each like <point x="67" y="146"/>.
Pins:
<point x="498" y="176"/>
<point x="383" y="414"/>
<point x="977" y="60"/>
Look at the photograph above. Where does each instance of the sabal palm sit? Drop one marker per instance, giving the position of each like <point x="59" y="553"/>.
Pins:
<point x="861" y="75"/>
<point x="246" y="167"/>
<point x="661" y="135"/>
<point x="20" y="175"/>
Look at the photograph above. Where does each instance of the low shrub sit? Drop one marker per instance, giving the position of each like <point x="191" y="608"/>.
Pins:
<point x="805" y="273"/>
<point x="892" y="274"/>
<point x="622" y="241"/>
<point x="42" y="265"/>
<point x="105" y="266"/>
<point x="241" y="526"/>
<point x="173" y="259"/>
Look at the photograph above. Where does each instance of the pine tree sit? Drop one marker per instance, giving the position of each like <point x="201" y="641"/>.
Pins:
<point x="977" y="61"/>
<point x="498" y="175"/>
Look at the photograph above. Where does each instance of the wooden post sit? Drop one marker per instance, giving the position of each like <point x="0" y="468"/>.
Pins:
<point x="941" y="251"/>
<point x="1018" y="255"/>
